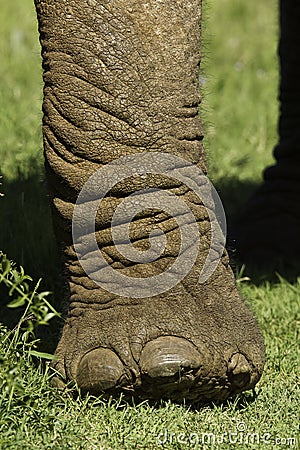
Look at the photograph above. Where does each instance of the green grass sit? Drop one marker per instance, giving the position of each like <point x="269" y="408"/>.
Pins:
<point x="26" y="232"/>
<point x="240" y="110"/>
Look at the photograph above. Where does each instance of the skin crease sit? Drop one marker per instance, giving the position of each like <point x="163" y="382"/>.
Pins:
<point x="122" y="78"/>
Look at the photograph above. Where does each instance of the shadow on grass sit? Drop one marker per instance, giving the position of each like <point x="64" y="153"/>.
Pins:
<point x="236" y="402"/>
<point x="27" y="238"/>
<point x="234" y="194"/>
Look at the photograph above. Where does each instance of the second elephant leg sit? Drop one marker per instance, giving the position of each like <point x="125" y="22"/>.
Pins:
<point x="267" y="232"/>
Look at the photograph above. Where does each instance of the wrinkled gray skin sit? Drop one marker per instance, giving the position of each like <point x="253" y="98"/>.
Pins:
<point x="122" y="77"/>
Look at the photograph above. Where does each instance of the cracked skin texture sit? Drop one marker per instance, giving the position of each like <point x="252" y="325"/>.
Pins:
<point x="122" y="77"/>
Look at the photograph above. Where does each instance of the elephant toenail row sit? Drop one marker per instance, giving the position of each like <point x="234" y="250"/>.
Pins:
<point x="170" y="367"/>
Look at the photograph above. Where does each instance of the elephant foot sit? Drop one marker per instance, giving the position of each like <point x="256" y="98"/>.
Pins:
<point x="196" y="345"/>
<point x="266" y="234"/>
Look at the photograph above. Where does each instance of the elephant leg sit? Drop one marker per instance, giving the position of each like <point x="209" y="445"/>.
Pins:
<point x="267" y="231"/>
<point x="121" y="80"/>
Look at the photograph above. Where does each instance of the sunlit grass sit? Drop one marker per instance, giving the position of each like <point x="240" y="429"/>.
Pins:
<point x="242" y="83"/>
<point x="20" y="88"/>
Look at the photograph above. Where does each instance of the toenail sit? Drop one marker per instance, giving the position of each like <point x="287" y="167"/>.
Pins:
<point x="239" y="370"/>
<point x="99" y="370"/>
<point x="167" y="356"/>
